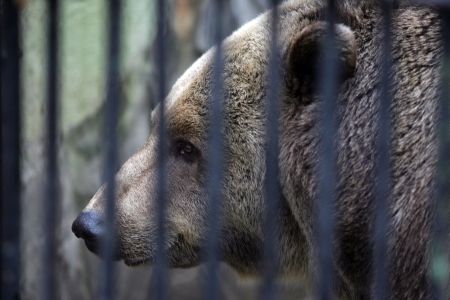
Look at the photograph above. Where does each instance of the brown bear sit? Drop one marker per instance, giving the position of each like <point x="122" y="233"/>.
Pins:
<point x="416" y="59"/>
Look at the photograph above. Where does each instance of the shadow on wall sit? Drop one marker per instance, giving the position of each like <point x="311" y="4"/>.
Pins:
<point x="83" y="37"/>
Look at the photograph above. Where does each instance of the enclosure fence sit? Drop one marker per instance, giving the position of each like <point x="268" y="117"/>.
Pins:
<point x="325" y="221"/>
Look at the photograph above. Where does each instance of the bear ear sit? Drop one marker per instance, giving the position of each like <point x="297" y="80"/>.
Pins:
<point x="304" y="56"/>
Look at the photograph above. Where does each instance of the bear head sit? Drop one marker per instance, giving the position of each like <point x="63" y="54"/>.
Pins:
<point x="246" y="56"/>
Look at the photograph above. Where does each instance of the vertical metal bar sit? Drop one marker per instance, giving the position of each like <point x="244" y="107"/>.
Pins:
<point x="10" y="151"/>
<point x="382" y="169"/>
<point x="440" y="244"/>
<point x="113" y="92"/>
<point x="215" y="161"/>
<point x="272" y="189"/>
<point x="51" y="196"/>
<point x="327" y="160"/>
<point x="160" y="268"/>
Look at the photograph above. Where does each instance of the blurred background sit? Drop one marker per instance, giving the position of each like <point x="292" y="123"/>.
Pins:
<point x="82" y="79"/>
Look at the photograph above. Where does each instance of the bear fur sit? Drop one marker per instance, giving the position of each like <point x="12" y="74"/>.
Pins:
<point x="416" y="54"/>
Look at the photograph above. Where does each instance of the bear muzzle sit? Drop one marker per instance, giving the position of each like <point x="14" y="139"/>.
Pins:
<point x="90" y="227"/>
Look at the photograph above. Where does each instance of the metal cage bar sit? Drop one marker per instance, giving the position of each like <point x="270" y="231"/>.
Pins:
<point x="159" y="275"/>
<point x="51" y="196"/>
<point x="113" y="92"/>
<point x="325" y="220"/>
<point x="382" y="164"/>
<point x="271" y="184"/>
<point x="216" y="144"/>
<point x="10" y="151"/>
<point x="327" y="163"/>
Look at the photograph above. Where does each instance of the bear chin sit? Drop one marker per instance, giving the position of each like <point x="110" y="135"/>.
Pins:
<point x="178" y="255"/>
<point x="181" y="264"/>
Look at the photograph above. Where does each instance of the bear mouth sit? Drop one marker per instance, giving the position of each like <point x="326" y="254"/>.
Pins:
<point x="171" y="262"/>
<point x="94" y="247"/>
<point x="178" y="254"/>
<point x="133" y="262"/>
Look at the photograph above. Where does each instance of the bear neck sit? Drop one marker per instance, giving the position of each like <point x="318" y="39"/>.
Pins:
<point x="244" y="251"/>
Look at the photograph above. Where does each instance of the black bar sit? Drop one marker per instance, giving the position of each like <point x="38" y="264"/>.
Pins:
<point x="440" y="243"/>
<point x="51" y="196"/>
<point x="159" y="276"/>
<point x="383" y="165"/>
<point x="325" y="221"/>
<point x="272" y="188"/>
<point x="10" y="151"/>
<point x="215" y="161"/>
<point x="107" y="280"/>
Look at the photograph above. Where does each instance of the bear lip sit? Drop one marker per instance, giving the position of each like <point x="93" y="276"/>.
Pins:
<point x="132" y="262"/>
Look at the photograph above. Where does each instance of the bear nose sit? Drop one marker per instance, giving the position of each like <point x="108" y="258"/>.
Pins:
<point x="89" y="226"/>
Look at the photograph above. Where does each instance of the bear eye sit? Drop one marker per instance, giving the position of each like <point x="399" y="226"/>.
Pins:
<point x="186" y="150"/>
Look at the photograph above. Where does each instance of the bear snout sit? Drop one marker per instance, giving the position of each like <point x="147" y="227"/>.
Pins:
<point x="89" y="226"/>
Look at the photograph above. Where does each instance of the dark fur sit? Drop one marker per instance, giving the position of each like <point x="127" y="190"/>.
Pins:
<point x="416" y="57"/>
